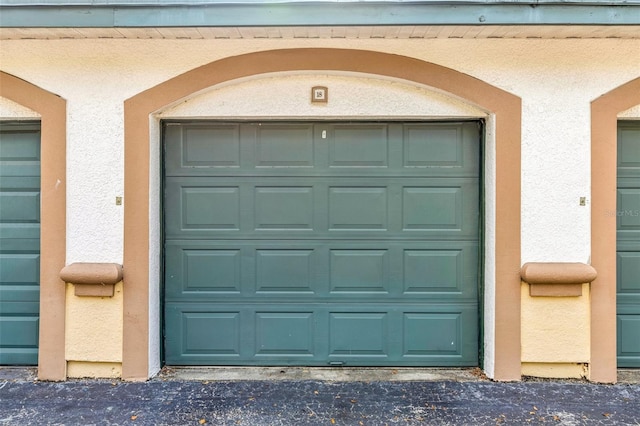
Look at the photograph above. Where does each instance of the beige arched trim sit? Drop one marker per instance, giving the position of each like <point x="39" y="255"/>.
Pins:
<point x="505" y="106"/>
<point x="53" y="113"/>
<point x="604" y="121"/>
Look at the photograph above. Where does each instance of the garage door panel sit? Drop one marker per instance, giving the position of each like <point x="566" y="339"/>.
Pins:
<point x="19" y="331"/>
<point x="363" y="145"/>
<point x="316" y="334"/>
<point x="321" y="208"/>
<point x="321" y="243"/>
<point x="437" y="146"/>
<point x="20" y="175"/>
<point x="203" y="334"/>
<point x="19" y="239"/>
<point x="628" y="269"/>
<point x="300" y="266"/>
<point x="628" y="210"/>
<point x="205" y="208"/>
<point x="19" y="300"/>
<point x="19" y="324"/>
<point x="436" y="271"/>
<point x="19" y="242"/>
<point x="20" y="206"/>
<point x="359" y="271"/>
<point x="444" y="331"/>
<point x="321" y="149"/>
<point x="628" y="244"/>
<point x="203" y="147"/>
<point x="19" y="269"/>
<point x="19" y="143"/>
<point x="628" y="152"/>
<point x="359" y="335"/>
<point x="326" y="269"/>
<point x="197" y="151"/>
<point x="197" y="208"/>
<point x="358" y="208"/>
<point x="18" y="356"/>
<point x="211" y="271"/>
<point x="284" y="145"/>
<point x="628" y="336"/>
<point x="285" y="334"/>
<point x="284" y="208"/>
<point x="429" y="208"/>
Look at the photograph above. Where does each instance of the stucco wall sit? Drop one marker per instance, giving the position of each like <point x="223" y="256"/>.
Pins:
<point x="556" y="79"/>
<point x="632" y="113"/>
<point x="10" y="110"/>
<point x="350" y="95"/>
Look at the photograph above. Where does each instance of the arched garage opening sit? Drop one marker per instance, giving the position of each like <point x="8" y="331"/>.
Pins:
<point x="52" y="110"/>
<point x="502" y="280"/>
<point x="604" y="163"/>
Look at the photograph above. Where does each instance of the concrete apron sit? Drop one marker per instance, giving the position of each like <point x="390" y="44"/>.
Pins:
<point x="329" y="374"/>
<point x="350" y="374"/>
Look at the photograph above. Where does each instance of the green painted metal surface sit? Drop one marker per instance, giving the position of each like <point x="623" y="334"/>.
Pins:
<point x="628" y="244"/>
<point x="152" y="14"/>
<point x="19" y="243"/>
<point x="309" y="243"/>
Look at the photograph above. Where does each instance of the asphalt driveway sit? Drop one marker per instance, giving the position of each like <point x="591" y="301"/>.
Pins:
<point x="171" y="400"/>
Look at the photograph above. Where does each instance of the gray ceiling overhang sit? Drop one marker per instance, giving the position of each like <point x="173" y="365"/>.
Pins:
<point x="198" y="13"/>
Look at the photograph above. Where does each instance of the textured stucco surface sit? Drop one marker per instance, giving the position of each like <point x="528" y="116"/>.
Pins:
<point x="555" y="370"/>
<point x="94" y="327"/>
<point x="555" y="329"/>
<point x="96" y="76"/>
<point x="10" y="110"/>
<point x="348" y="96"/>
<point x="489" y="288"/>
<point x="155" y="250"/>
<point x="79" y="369"/>
<point x="556" y="79"/>
<point x="632" y="113"/>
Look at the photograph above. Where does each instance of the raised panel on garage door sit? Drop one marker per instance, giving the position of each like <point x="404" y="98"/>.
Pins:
<point x="19" y="242"/>
<point x="628" y="244"/>
<point x="312" y="243"/>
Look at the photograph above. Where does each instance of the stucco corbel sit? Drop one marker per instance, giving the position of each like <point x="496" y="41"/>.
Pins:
<point x="92" y="279"/>
<point x="557" y="278"/>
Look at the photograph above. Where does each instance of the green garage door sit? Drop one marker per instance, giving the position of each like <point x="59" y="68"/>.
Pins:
<point x="628" y="250"/>
<point x="321" y="243"/>
<point x="19" y="242"/>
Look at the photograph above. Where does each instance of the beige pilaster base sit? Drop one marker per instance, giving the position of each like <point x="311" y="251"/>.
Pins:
<point x="555" y="370"/>
<point x="93" y="346"/>
<point x="555" y="335"/>
<point x="82" y="369"/>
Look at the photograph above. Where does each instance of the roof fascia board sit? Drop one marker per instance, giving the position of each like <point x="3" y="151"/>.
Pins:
<point x="315" y="14"/>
